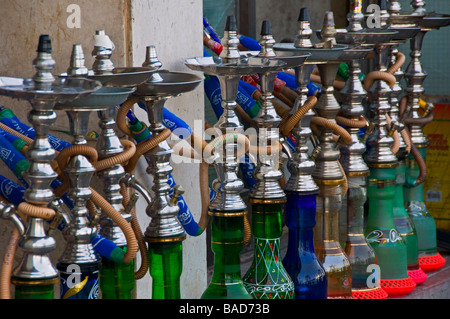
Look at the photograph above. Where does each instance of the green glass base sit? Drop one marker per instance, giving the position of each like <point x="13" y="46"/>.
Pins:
<point x="116" y="280"/>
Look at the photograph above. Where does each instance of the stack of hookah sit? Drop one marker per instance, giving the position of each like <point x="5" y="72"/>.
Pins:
<point x="102" y="234"/>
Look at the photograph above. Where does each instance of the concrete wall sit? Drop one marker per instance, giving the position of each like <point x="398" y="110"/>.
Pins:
<point x="173" y="26"/>
<point x="283" y="15"/>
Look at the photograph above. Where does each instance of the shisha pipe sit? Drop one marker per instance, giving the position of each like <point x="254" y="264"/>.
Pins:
<point x="407" y="26"/>
<point x="78" y="162"/>
<point x="266" y="278"/>
<point x="329" y="176"/>
<point x="35" y="275"/>
<point x="381" y="231"/>
<point x="429" y="258"/>
<point x="301" y="261"/>
<point x="360" y="253"/>
<point x="117" y="280"/>
<point x="228" y="209"/>
<point x="164" y="234"/>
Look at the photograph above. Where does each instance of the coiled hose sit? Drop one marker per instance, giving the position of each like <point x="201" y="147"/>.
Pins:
<point x="414" y="151"/>
<point x="399" y="61"/>
<point x="24" y="210"/>
<point x="96" y="198"/>
<point x="378" y="75"/>
<point x="288" y="123"/>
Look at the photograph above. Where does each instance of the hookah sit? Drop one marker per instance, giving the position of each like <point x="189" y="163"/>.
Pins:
<point x="360" y="253"/>
<point x="164" y="235"/>
<point x="325" y="178"/>
<point x="407" y="27"/>
<point x="381" y="231"/>
<point x="117" y="280"/>
<point x="329" y="175"/>
<point x="228" y="210"/>
<point x="429" y="258"/>
<point x="35" y="276"/>
<point x="267" y="277"/>
<point x="79" y="162"/>
<point x="300" y="261"/>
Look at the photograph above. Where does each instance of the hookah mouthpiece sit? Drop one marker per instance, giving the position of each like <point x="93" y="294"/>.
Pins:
<point x="304" y="15"/>
<point x="304" y="33"/>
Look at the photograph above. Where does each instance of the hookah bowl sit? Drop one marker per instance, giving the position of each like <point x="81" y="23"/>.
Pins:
<point x="429" y="258"/>
<point x="35" y="275"/>
<point x="228" y="209"/>
<point x="79" y="170"/>
<point x="267" y="277"/>
<point x="164" y="234"/>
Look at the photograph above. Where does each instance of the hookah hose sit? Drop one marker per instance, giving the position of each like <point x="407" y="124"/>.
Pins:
<point x="96" y="198"/>
<point x="414" y="151"/>
<point x="24" y="210"/>
<point x="280" y="90"/>
<point x="191" y="227"/>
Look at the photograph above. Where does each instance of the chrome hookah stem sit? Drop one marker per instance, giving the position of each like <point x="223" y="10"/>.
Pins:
<point x="164" y="221"/>
<point x="109" y="145"/>
<point x="267" y="174"/>
<point x="36" y="244"/>
<point x="228" y="196"/>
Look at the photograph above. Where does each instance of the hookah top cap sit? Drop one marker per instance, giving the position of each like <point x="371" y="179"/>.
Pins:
<point x="382" y="4"/>
<point x="328" y="19"/>
<point x="266" y="28"/>
<point x="45" y="44"/>
<point x="77" y="62"/>
<point x="151" y="58"/>
<point x="304" y="15"/>
<point x="231" y="24"/>
<point x="102" y="40"/>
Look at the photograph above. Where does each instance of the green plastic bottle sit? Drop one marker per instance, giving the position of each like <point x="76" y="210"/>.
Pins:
<point x="267" y="278"/>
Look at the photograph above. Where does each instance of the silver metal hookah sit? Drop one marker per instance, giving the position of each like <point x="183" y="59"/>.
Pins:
<point x="108" y="143"/>
<point x="267" y="174"/>
<point x="80" y="170"/>
<point x="43" y="92"/>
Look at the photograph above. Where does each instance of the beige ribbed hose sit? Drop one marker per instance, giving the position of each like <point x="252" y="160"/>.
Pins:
<point x="400" y="60"/>
<point x="288" y="123"/>
<point x="378" y="75"/>
<point x="96" y="198"/>
<point x="145" y="146"/>
<point x="122" y="158"/>
<point x="121" y="116"/>
<point x="321" y="121"/>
